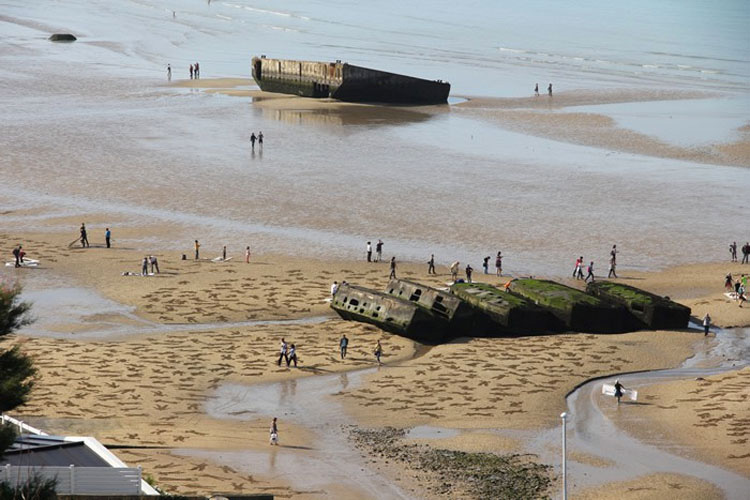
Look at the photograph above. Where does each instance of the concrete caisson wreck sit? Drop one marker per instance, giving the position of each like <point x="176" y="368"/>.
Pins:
<point x="501" y="313"/>
<point x="647" y="310"/>
<point x="388" y="312"/>
<point x="345" y="82"/>
<point x="579" y="311"/>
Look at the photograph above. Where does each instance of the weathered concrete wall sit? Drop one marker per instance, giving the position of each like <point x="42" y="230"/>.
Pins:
<point x="321" y="72"/>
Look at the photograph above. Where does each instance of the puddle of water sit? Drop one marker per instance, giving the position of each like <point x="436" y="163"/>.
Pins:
<point x="430" y="432"/>
<point x="61" y="312"/>
<point x="307" y="402"/>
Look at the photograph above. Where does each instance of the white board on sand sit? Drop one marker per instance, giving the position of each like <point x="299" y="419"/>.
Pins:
<point x="609" y="390"/>
<point x="221" y="259"/>
<point x="25" y="263"/>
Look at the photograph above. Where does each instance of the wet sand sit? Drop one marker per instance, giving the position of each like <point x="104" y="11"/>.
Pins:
<point x="708" y="417"/>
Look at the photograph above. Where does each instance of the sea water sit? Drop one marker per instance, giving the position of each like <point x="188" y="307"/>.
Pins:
<point x="94" y="126"/>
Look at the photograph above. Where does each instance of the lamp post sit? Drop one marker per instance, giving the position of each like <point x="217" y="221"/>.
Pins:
<point x="563" y="416"/>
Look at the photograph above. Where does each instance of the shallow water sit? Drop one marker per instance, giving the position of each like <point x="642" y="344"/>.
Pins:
<point x="91" y="126"/>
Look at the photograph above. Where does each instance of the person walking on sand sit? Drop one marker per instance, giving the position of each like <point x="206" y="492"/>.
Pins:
<point x="431" y="265"/>
<point x="84" y="236"/>
<point x="253" y="139"/>
<point x="706" y="324"/>
<point x="612" y="266"/>
<point x="486" y="265"/>
<point x="619" y="390"/>
<point x="549" y="90"/>
<point x="343" y="344"/>
<point x="247" y="255"/>
<point x="369" y="252"/>
<point x="613" y="254"/>
<point x="499" y="264"/>
<point x="292" y="356"/>
<point x="733" y="251"/>
<point x="283" y="353"/>
<point x="260" y="140"/>
<point x="378" y="250"/>
<point x="590" y="272"/>
<point x="334" y="288"/>
<point x="154" y="264"/>
<point x="197" y="250"/>
<point x="468" y="270"/>
<point x="169" y="72"/>
<point x="536" y="90"/>
<point x="393" y="268"/>
<point x="107" y="237"/>
<point x="378" y="352"/>
<point x="144" y="267"/>
<point x="454" y="270"/>
<point x="274" y="440"/>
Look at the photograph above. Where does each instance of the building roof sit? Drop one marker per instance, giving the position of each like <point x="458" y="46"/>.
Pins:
<point x="30" y="449"/>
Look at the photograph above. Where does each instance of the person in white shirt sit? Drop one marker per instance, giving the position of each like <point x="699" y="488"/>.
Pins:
<point x="334" y="288"/>
<point x="283" y="353"/>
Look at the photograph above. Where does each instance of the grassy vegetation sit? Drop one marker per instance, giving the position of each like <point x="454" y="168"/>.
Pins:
<point x="628" y="293"/>
<point x="553" y="295"/>
<point x="490" y="294"/>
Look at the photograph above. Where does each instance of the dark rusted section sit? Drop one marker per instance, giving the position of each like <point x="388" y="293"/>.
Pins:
<point x="389" y="313"/>
<point x="647" y="310"/>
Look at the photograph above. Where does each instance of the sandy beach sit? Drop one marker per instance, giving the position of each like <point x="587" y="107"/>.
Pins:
<point x="104" y="374"/>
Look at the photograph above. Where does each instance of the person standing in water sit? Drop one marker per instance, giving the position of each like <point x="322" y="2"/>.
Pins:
<point x="536" y="90"/>
<point x="549" y="90"/>
<point x="253" y="139"/>
<point x="260" y="139"/>
<point x="191" y="71"/>
<point x="169" y="72"/>
<point x="706" y="324"/>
